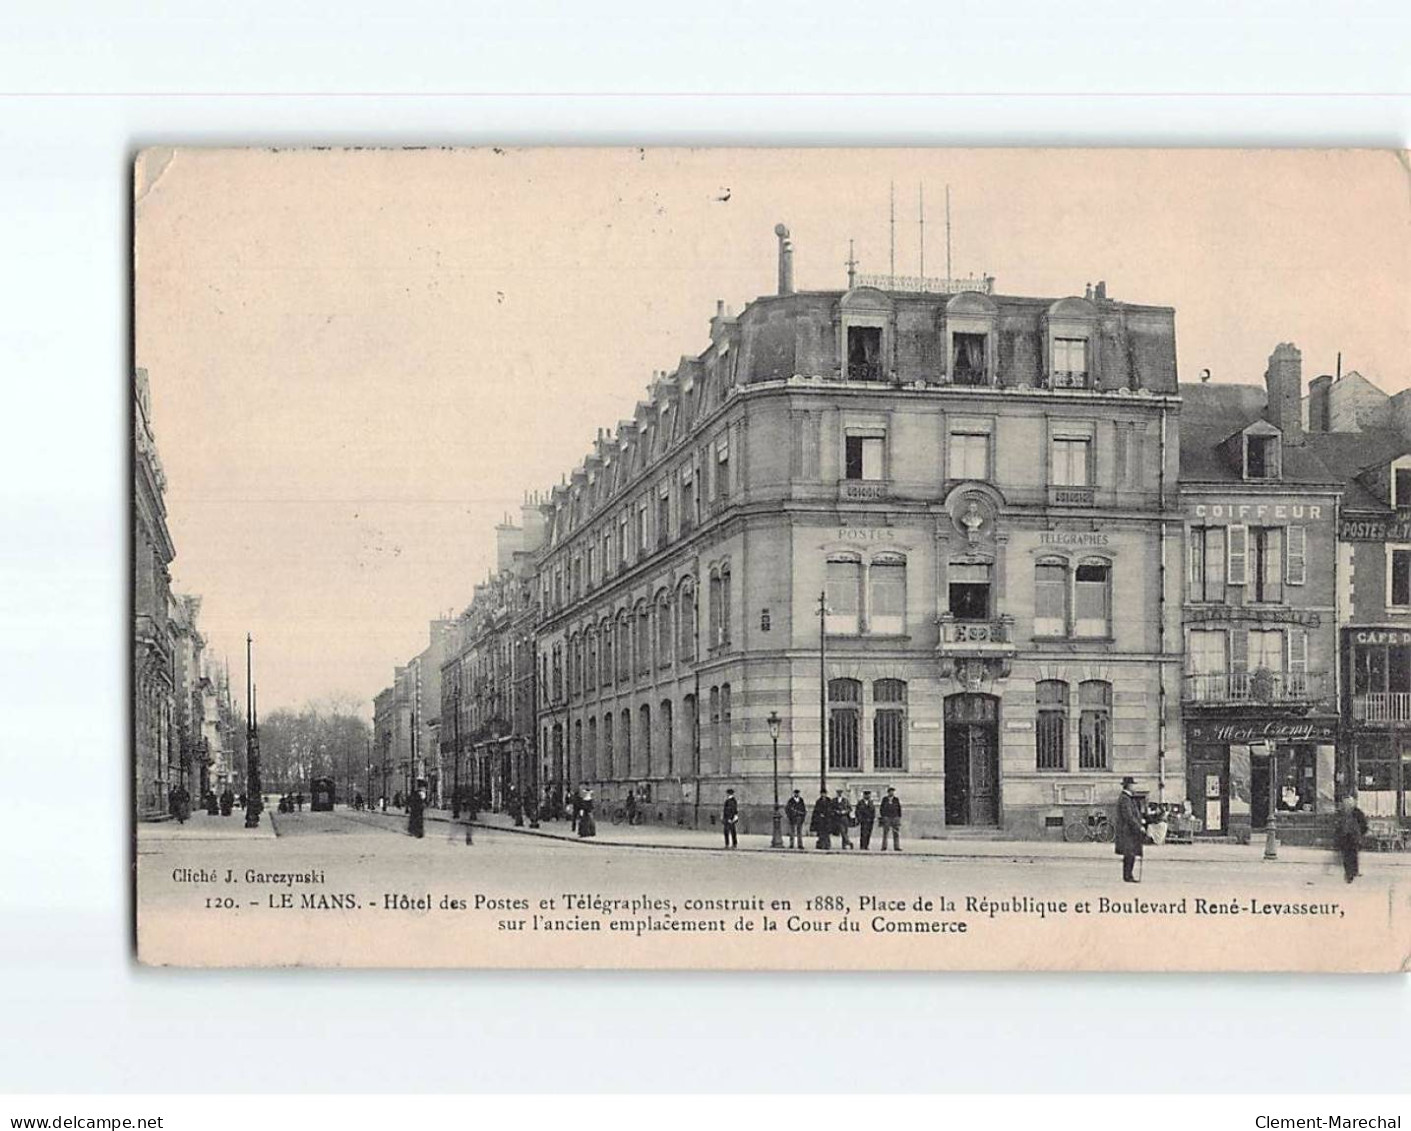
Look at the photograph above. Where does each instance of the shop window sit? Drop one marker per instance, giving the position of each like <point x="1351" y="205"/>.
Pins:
<point x="1094" y="724"/>
<point x="1050" y="598"/>
<point x="889" y="724"/>
<point x="886" y="604"/>
<point x="969" y="591"/>
<point x="1070" y="363"/>
<point x="969" y="455"/>
<point x="864" y="353"/>
<point x="1071" y="458"/>
<point x="1092" y="599"/>
<point x="843" y="590"/>
<point x="1399" y="577"/>
<point x="1051" y="725"/>
<point x="1295" y="770"/>
<point x="968" y="359"/>
<point x="844" y="708"/>
<point x="863" y="457"/>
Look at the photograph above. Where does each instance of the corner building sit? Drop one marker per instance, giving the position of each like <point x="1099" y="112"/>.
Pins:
<point x="983" y="490"/>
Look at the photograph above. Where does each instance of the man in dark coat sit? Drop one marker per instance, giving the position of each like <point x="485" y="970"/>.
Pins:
<point x="516" y="808"/>
<point x="531" y="808"/>
<point x="416" y="814"/>
<point x="822" y="822"/>
<point x="866" y="813"/>
<point x="730" y="819"/>
<point x="227" y="801"/>
<point x="1130" y="830"/>
<point x="1351" y="828"/>
<point x="796" y="809"/>
<point x="891" y="819"/>
<point x="842" y="819"/>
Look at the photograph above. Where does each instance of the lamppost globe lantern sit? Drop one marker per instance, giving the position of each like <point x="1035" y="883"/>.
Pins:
<point x="773" y="721"/>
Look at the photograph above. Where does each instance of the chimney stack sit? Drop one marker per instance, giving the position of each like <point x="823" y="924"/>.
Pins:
<point x="786" y="260"/>
<point x="1320" y="404"/>
<point x="1284" y="382"/>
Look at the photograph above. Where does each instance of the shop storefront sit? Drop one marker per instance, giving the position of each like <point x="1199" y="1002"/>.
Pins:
<point x="1241" y="772"/>
<point x="1378" y="679"/>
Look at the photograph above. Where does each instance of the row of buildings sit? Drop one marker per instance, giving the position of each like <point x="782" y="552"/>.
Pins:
<point x="983" y="548"/>
<point x="184" y="721"/>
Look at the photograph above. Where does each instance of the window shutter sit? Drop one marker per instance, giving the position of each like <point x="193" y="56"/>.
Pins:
<point x="1237" y="555"/>
<point x="1298" y="651"/>
<point x="1196" y="539"/>
<point x="1239" y="650"/>
<point x="1297" y="555"/>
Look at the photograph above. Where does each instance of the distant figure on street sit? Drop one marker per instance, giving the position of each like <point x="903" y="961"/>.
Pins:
<point x="382" y="803"/>
<point x="516" y="808"/>
<point x="416" y="814"/>
<point x="1351" y="828"/>
<point x="358" y="802"/>
<point x="299" y="802"/>
<point x="842" y="819"/>
<point x="227" y="802"/>
<point x="796" y="809"/>
<point x="822" y="822"/>
<point x="397" y="799"/>
<point x="181" y="804"/>
<point x="531" y="808"/>
<point x="730" y="818"/>
<point x="1130" y="832"/>
<point x="575" y="802"/>
<point x="212" y="804"/>
<point x="890" y="814"/>
<point x="631" y="807"/>
<point x="583" y="809"/>
<point x="866" y="813"/>
<point x="240" y="800"/>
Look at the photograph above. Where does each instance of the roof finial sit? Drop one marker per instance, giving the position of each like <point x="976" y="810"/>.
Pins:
<point x="852" y="267"/>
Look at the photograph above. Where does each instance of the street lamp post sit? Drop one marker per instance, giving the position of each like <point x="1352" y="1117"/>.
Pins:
<point x="1271" y="834"/>
<point x="777" y="840"/>
<point x="456" y="788"/>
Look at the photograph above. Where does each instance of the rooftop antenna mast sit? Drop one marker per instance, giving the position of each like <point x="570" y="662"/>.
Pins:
<point x="852" y="267"/>
<point x="948" y="270"/>
<point x="921" y="224"/>
<point x="892" y="234"/>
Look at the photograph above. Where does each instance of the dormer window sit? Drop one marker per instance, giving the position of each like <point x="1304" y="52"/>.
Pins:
<point x="1262" y="457"/>
<point x="1070" y="363"/>
<point x="864" y="353"/>
<point x="968" y="359"/>
<point x="1401" y="482"/>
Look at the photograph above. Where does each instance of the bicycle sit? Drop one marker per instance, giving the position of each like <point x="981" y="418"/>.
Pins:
<point x="1096" y="826"/>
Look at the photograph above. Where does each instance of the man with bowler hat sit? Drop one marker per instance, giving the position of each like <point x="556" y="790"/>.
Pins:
<point x="1130" y="831"/>
<point x="866" y="814"/>
<point x="796" y="809"/>
<point x="891" y="819"/>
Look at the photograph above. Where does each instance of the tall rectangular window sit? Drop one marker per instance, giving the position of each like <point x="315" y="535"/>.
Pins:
<point x="1401" y="487"/>
<point x="1399" y="576"/>
<point x="889" y="724"/>
<point x="1070" y="461"/>
<point x="1267" y="551"/>
<point x="969" y="455"/>
<point x="970" y="591"/>
<point x="1094" y="724"/>
<point x="1264" y="650"/>
<point x="1051" y="725"/>
<point x="863" y="457"/>
<point x="886" y="606"/>
<point x="1092" y="599"/>
<point x="844" y="590"/>
<point x="844" y="708"/>
<point x="663" y="518"/>
<point x="864" y="353"/>
<point x="968" y="359"/>
<point x="1070" y="363"/>
<point x="1050" y="599"/>
<point x="722" y="469"/>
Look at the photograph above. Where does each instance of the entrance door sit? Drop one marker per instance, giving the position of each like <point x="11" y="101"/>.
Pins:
<point x="1259" y="785"/>
<point x="972" y="760"/>
<point x="1207" y="787"/>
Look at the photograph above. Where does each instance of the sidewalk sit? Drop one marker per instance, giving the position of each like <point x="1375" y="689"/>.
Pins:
<point x="711" y="839"/>
<point x="202" y="826"/>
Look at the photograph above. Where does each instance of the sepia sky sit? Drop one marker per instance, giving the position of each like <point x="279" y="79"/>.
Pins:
<point x="360" y="360"/>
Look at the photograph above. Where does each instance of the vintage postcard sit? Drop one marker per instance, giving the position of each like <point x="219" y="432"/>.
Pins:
<point x="770" y="559"/>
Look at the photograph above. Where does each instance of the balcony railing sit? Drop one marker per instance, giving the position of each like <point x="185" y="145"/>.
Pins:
<point x="864" y="371"/>
<point x="977" y="636"/>
<point x="862" y="489"/>
<point x="1261" y="686"/>
<point x="1382" y="707"/>
<point x="1067" y="496"/>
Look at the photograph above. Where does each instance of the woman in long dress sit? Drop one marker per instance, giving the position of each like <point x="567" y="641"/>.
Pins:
<point x="586" y="825"/>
